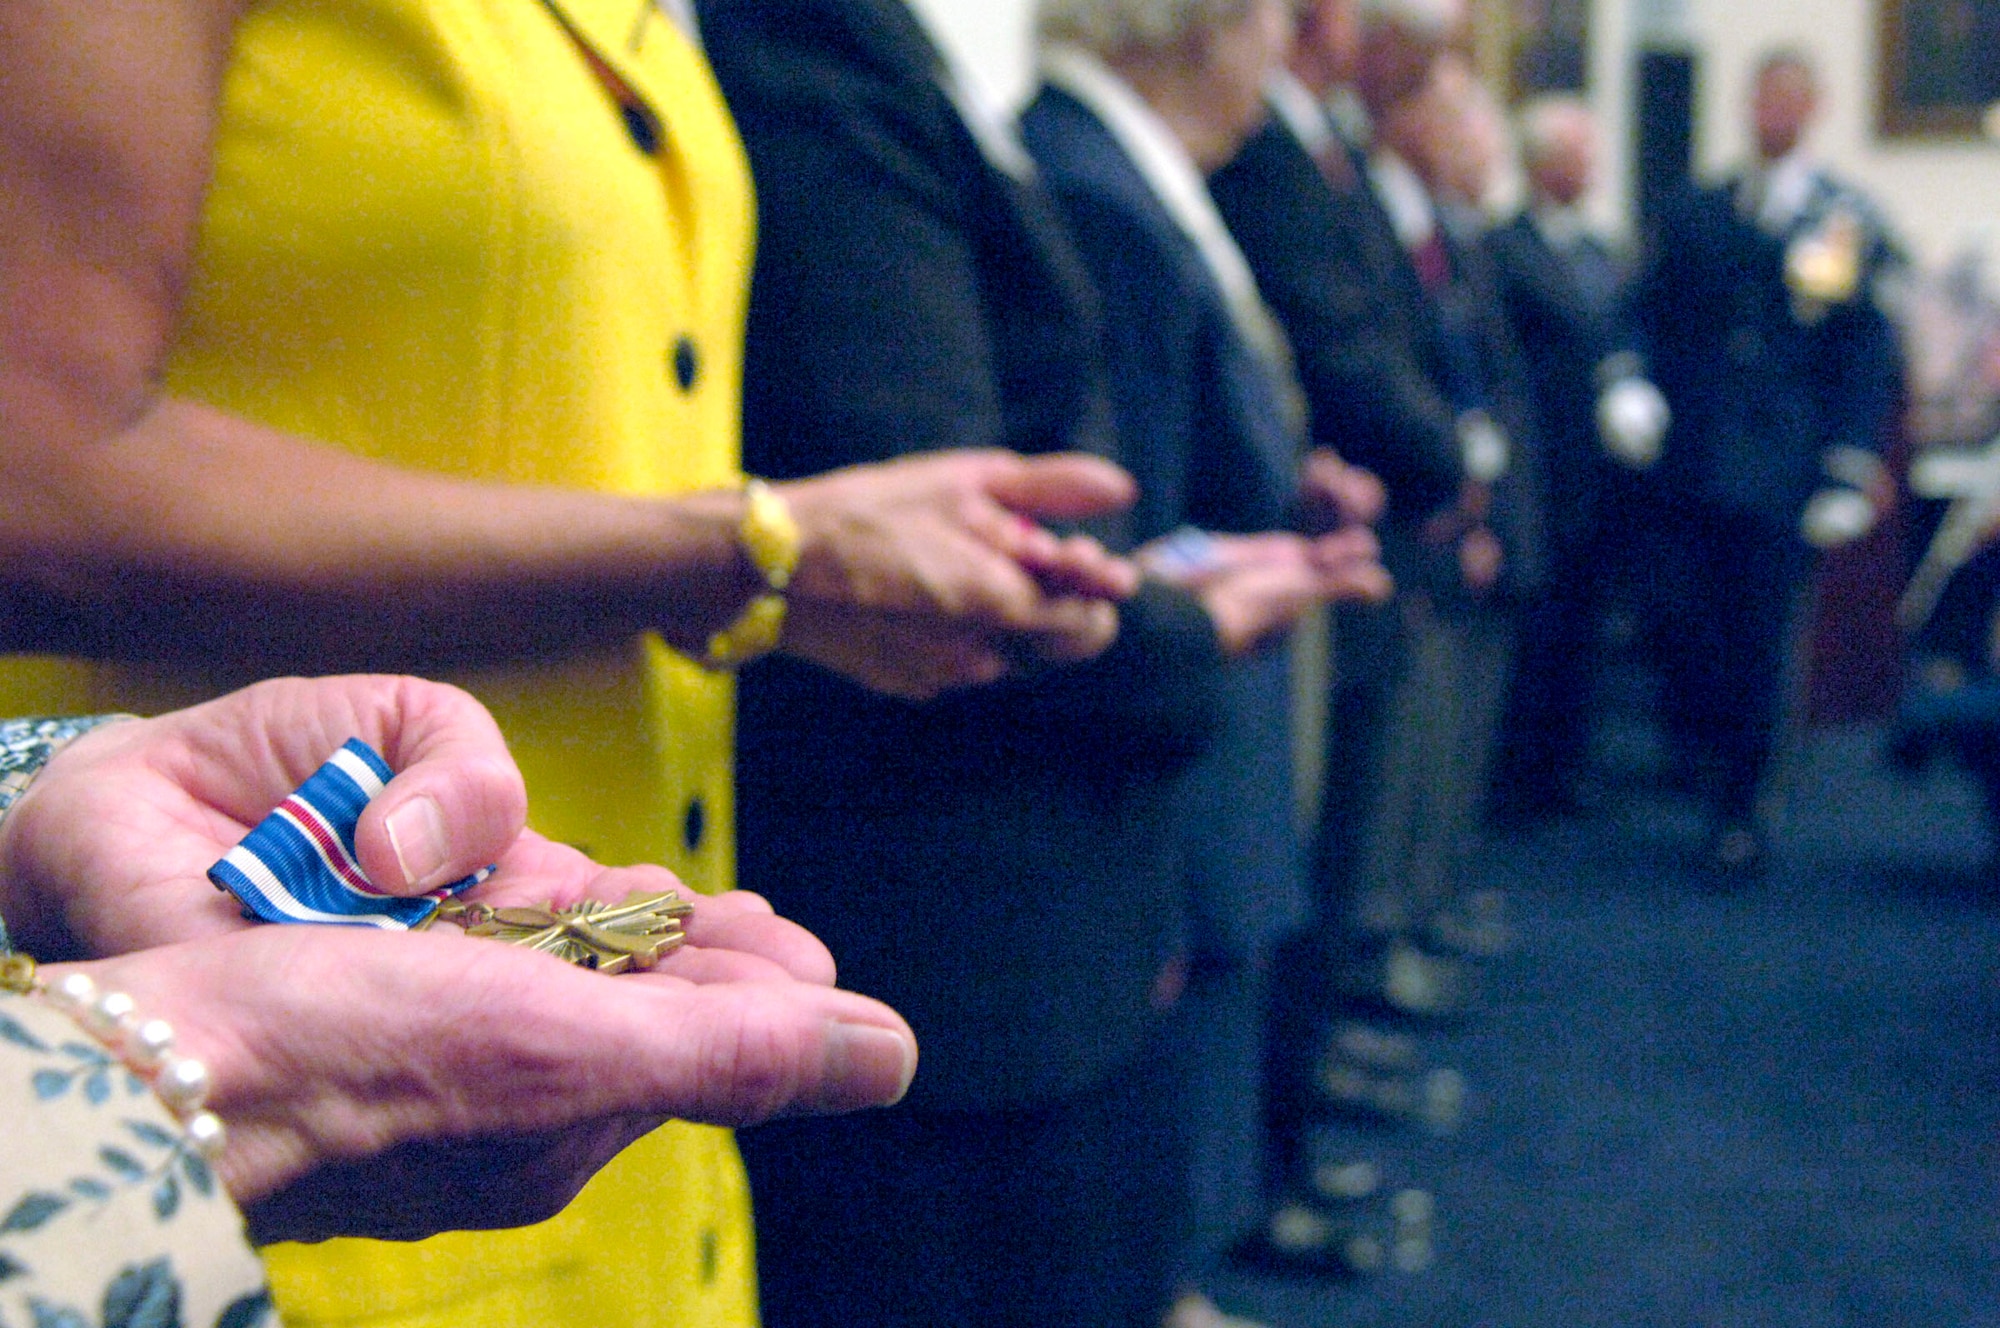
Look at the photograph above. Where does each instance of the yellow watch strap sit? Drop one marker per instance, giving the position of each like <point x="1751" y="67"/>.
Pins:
<point x="770" y="539"/>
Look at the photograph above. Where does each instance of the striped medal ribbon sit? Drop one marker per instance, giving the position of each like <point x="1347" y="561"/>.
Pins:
<point x="298" y="864"/>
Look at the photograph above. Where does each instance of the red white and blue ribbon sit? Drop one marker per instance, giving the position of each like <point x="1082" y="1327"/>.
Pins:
<point x="298" y="864"/>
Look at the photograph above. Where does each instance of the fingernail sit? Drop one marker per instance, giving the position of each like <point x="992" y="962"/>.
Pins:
<point x="416" y="833"/>
<point x="866" y="1066"/>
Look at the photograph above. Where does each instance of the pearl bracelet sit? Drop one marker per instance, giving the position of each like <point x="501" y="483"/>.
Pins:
<point x="144" y="1046"/>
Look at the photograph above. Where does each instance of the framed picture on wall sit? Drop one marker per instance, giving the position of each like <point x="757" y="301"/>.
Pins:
<point x="1526" y="47"/>
<point x="1940" y="68"/>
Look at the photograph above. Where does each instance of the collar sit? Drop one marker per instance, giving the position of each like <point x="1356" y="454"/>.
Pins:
<point x="1561" y="228"/>
<point x="1174" y="179"/>
<point x="1294" y="105"/>
<point x="1784" y="189"/>
<point x="1350" y="116"/>
<point x="989" y="123"/>
<point x="1403" y="197"/>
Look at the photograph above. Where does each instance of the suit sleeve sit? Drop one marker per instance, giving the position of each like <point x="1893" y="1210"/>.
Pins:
<point x="871" y="337"/>
<point x="864" y="338"/>
<point x="1370" y="398"/>
<point x="1865" y="384"/>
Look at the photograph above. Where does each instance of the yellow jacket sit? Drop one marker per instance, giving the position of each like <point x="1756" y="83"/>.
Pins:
<point x="439" y="237"/>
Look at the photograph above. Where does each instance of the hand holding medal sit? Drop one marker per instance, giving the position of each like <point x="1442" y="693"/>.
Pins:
<point x="299" y="866"/>
<point x="400" y="1077"/>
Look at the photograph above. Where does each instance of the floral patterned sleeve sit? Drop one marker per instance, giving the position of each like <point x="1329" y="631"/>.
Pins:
<point x="108" y="1216"/>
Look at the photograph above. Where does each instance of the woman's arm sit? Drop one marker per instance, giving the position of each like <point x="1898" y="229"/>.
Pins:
<point x="136" y="525"/>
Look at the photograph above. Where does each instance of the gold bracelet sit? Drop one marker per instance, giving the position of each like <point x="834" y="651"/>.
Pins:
<point x="770" y="540"/>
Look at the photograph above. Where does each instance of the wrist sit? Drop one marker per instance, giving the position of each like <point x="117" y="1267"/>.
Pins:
<point x="768" y="543"/>
<point x="27" y="748"/>
<point x="144" y="1047"/>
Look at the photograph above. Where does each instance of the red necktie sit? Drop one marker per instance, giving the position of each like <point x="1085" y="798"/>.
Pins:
<point x="1433" y="262"/>
<point x="1335" y="164"/>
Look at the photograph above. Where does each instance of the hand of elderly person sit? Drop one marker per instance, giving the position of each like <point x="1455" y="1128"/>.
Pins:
<point x="920" y="575"/>
<point x="394" y="1083"/>
<point x="108" y="850"/>
<point x="399" y="1084"/>
<point x="1334" y="493"/>
<point x="1256" y="586"/>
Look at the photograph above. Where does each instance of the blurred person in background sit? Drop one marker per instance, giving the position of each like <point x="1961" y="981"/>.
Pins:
<point x="1137" y="102"/>
<point x="1304" y="203"/>
<point x="1451" y="136"/>
<point x="1343" y="236"/>
<point x="1599" y="420"/>
<point x="1762" y="303"/>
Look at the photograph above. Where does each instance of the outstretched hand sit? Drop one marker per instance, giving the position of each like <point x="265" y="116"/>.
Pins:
<point x="391" y="1083"/>
<point x="934" y="572"/>
<point x="399" y="1084"/>
<point x="108" y="851"/>
<point x="1256" y="586"/>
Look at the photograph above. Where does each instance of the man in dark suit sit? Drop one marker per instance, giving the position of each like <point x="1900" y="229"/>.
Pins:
<point x="1003" y="864"/>
<point x="1761" y="304"/>
<point x="1393" y="351"/>
<point x="1598" y="420"/>
<point x="1393" y="344"/>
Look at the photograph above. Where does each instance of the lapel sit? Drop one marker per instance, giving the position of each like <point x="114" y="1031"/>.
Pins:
<point x="1819" y="201"/>
<point x="1581" y="277"/>
<point x="899" y="36"/>
<point x="1309" y="124"/>
<point x="1387" y="255"/>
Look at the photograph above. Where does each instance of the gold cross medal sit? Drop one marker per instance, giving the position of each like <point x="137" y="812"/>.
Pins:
<point x="610" y="938"/>
<point x="297" y="865"/>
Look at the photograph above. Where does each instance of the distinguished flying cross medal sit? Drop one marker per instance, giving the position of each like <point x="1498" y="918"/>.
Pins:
<point x="607" y="937"/>
<point x="298" y="865"/>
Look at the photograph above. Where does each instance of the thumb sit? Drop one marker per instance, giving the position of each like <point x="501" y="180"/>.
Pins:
<point x="738" y="1053"/>
<point x="457" y="802"/>
<point x="1067" y="486"/>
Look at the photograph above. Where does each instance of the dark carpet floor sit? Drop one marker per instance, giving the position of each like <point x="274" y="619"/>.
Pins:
<point x="1769" y="1108"/>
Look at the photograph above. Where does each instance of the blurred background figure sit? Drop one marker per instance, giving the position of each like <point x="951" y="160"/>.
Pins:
<point x="1762" y="300"/>
<point x="1951" y="704"/>
<point x="1338" y="203"/>
<point x="1432" y="169"/>
<point x="1137" y="103"/>
<point x="1598" y="419"/>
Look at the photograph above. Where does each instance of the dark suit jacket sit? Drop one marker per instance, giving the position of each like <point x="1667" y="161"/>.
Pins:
<point x="1205" y="418"/>
<point x="1569" y="315"/>
<point x="1758" y="392"/>
<point x="999" y="864"/>
<point x="1207" y="422"/>
<point x="1367" y="343"/>
<point x="1386" y="367"/>
<point x="1487" y="355"/>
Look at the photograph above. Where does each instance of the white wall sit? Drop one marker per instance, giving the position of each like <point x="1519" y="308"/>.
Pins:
<point x="1938" y="195"/>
